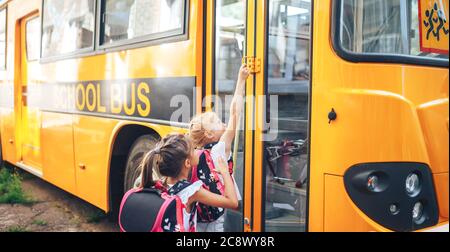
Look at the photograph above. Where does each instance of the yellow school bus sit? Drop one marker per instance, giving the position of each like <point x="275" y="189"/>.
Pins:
<point x="346" y="116"/>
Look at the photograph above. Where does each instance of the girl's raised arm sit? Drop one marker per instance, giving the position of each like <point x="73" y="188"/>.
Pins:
<point x="236" y="108"/>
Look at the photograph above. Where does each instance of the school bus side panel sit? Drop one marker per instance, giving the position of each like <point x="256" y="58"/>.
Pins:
<point x="377" y="121"/>
<point x="434" y="121"/>
<point x="7" y="116"/>
<point x="11" y="101"/>
<point x="6" y="102"/>
<point x="348" y="218"/>
<point x="7" y="134"/>
<point x="9" y="104"/>
<point x="76" y="148"/>
<point x="57" y="148"/>
<point x="53" y="99"/>
<point x="94" y="135"/>
<point x="92" y="147"/>
<point x="6" y="119"/>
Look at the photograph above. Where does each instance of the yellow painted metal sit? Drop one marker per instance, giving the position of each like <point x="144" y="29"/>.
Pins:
<point x="253" y="64"/>
<point x="58" y="149"/>
<point x="433" y="117"/>
<point x="348" y="218"/>
<point x="441" y="185"/>
<point x="70" y="140"/>
<point x="249" y="192"/>
<point x="31" y="115"/>
<point x="259" y="60"/>
<point x="402" y="114"/>
<point x="384" y="115"/>
<point x="209" y="51"/>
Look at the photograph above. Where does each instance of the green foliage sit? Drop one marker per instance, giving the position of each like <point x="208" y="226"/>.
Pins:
<point x="16" y="229"/>
<point x="40" y="223"/>
<point x="11" y="191"/>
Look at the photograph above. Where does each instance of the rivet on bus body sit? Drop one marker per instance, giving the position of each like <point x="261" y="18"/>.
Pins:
<point x="11" y="141"/>
<point x="82" y="166"/>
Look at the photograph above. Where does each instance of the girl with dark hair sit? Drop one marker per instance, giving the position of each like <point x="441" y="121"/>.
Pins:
<point x="174" y="158"/>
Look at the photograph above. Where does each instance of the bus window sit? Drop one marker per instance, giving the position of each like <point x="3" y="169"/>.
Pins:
<point x="3" y="39"/>
<point x="229" y="42"/>
<point x="129" y="19"/>
<point x="286" y="153"/>
<point x="32" y="35"/>
<point x="386" y="27"/>
<point x="68" y="26"/>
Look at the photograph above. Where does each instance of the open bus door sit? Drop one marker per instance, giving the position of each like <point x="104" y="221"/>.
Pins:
<point x="229" y="36"/>
<point x="270" y="149"/>
<point x="282" y="116"/>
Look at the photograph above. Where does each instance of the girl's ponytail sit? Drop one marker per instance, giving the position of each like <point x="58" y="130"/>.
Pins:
<point x="150" y="166"/>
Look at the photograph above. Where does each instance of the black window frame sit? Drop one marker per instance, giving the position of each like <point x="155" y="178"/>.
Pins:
<point x="374" y="57"/>
<point x="5" y="8"/>
<point x="175" y="35"/>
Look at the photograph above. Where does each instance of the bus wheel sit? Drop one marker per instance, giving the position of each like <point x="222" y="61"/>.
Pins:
<point x="141" y="146"/>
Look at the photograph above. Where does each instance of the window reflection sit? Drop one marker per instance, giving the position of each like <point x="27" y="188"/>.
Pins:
<point x="128" y="19"/>
<point x="2" y="38"/>
<point x="67" y="26"/>
<point x="383" y="26"/>
<point x="288" y="78"/>
<point x="33" y="31"/>
<point x="230" y="43"/>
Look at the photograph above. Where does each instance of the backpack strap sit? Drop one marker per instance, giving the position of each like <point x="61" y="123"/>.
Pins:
<point x="160" y="186"/>
<point x="192" y="220"/>
<point x="194" y="177"/>
<point x="169" y="199"/>
<point x="178" y="187"/>
<point x="210" y="162"/>
<point x="180" y="217"/>
<point x="213" y="171"/>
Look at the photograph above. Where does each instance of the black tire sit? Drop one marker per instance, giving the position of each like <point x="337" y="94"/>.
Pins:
<point x="140" y="147"/>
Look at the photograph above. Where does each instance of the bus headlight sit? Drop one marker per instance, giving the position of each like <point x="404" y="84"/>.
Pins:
<point x="400" y="196"/>
<point x="417" y="213"/>
<point x="412" y="184"/>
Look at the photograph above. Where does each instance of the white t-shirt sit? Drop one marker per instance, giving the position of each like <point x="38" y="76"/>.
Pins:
<point x="217" y="151"/>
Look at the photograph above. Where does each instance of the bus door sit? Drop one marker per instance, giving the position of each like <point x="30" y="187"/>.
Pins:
<point x="282" y="91"/>
<point x="270" y="148"/>
<point x="30" y="113"/>
<point x="230" y="29"/>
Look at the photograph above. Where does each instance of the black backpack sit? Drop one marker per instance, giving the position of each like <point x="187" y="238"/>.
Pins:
<point x="154" y="210"/>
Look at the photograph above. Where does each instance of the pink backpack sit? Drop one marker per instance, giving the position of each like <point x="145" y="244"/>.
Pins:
<point x="205" y="171"/>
